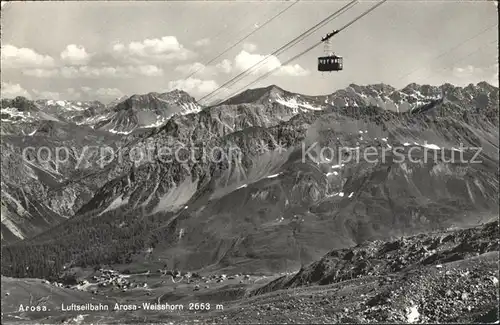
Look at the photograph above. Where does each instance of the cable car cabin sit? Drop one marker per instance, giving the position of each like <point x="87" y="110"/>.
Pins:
<point x="330" y="63"/>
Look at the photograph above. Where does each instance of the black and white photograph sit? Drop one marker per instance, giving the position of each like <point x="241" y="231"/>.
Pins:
<point x="250" y="162"/>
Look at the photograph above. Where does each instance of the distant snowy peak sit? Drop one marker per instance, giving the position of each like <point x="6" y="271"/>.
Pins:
<point x="121" y="116"/>
<point x="151" y="110"/>
<point x="381" y="95"/>
<point x="384" y="96"/>
<point x="372" y="90"/>
<point x="77" y="112"/>
<point x="21" y="110"/>
<point x="67" y="105"/>
<point x="14" y="115"/>
<point x="20" y="103"/>
<point x="164" y="104"/>
<point x="412" y="96"/>
<point x="274" y="94"/>
<point x="256" y="96"/>
<point x="18" y="110"/>
<point x="296" y="102"/>
<point x="63" y="104"/>
<point x="147" y="111"/>
<point x="352" y="96"/>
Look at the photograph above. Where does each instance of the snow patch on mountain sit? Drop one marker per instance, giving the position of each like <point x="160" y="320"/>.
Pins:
<point x="177" y="196"/>
<point x="7" y="222"/>
<point x="431" y="146"/>
<point x="91" y="121"/>
<point x="12" y="114"/>
<point x="120" y="132"/>
<point x="147" y="111"/>
<point x="293" y="102"/>
<point x="159" y="122"/>
<point x="118" y="202"/>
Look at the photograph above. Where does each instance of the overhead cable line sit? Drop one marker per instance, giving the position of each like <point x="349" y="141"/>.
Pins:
<point x="243" y="38"/>
<point x="308" y="49"/>
<point x="480" y="49"/>
<point x="452" y="49"/>
<point x="285" y="47"/>
<point x="224" y="28"/>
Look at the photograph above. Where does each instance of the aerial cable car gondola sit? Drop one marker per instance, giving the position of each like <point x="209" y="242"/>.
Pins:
<point x="330" y="62"/>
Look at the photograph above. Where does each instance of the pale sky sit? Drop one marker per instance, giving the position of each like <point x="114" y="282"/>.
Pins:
<point x="106" y="49"/>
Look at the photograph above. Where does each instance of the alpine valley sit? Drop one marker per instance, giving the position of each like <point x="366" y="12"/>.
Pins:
<point x="266" y="210"/>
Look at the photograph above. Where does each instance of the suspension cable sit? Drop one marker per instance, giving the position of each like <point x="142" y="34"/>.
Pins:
<point x="243" y="39"/>
<point x="479" y="49"/>
<point x="452" y="49"/>
<point x="286" y="46"/>
<point x="224" y="29"/>
<point x="307" y="50"/>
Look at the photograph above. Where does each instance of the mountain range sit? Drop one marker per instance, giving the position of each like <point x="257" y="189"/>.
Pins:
<point x="34" y="190"/>
<point x="265" y="182"/>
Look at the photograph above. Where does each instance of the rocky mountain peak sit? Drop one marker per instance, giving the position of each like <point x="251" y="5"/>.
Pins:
<point x="257" y="95"/>
<point x="20" y="103"/>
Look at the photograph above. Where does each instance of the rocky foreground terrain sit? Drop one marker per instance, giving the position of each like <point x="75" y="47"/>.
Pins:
<point x="448" y="276"/>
